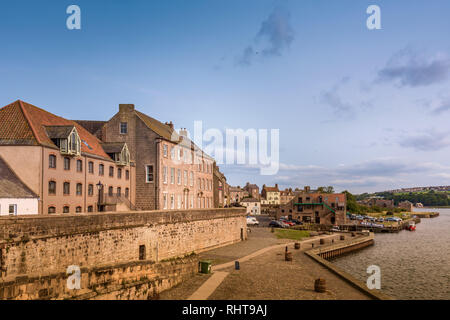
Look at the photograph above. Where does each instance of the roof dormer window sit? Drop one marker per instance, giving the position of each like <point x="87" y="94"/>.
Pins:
<point x="66" y="138"/>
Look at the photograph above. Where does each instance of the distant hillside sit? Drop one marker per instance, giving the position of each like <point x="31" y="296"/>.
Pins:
<point x="427" y="198"/>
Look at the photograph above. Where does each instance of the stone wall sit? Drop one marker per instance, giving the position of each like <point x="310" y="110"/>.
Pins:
<point x="137" y="280"/>
<point x="38" y="246"/>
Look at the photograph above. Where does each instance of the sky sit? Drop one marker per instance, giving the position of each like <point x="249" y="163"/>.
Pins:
<point x="362" y="110"/>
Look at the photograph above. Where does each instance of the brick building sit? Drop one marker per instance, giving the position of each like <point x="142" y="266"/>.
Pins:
<point x="315" y="207"/>
<point x="63" y="164"/>
<point x="171" y="171"/>
<point x="286" y="196"/>
<point x="253" y="190"/>
<point x="221" y="189"/>
<point x="237" y="194"/>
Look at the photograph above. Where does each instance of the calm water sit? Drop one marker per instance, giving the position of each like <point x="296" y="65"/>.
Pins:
<point x="414" y="265"/>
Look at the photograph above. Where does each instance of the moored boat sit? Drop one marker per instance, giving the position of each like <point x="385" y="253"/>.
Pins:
<point x="411" y="226"/>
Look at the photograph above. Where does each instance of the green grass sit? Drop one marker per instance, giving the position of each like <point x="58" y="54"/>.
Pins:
<point x="291" y="234"/>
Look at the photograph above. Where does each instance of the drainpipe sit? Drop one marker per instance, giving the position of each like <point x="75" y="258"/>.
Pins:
<point x="156" y="174"/>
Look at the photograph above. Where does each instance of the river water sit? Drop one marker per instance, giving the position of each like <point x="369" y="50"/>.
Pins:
<point x="414" y="265"/>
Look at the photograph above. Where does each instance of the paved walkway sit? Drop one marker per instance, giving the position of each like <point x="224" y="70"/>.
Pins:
<point x="264" y="274"/>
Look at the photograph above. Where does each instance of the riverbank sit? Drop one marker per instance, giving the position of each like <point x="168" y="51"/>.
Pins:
<point x="267" y="275"/>
<point x="414" y="265"/>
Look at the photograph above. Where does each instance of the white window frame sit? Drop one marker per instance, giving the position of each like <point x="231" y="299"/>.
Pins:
<point x="147" y="172"/>
<point x="165" y="174"/>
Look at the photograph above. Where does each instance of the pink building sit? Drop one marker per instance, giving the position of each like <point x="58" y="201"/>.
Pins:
<point x="61" y="162"/>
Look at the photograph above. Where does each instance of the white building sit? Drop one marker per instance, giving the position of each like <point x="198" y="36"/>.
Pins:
<point x="15" y="197"/>
<point x="253" y="206"/>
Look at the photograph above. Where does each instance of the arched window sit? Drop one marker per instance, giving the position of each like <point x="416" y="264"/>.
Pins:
<point x="51" y="210"/>
<point x="66" y="209"/>
<point x="79" y="189"/>
<point x="79" y="166"/>
<point x="78" y="209"/>
<point x="110" y="191"/>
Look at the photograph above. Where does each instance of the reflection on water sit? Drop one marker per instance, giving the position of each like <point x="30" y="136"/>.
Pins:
<point x="414" y="265"/>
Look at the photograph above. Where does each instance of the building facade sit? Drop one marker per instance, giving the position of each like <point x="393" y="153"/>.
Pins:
<point x="15" y="197"/>
<point x="253" y="206"/>
<point x="221" y="189"/>
<point x="62" y="163"/>
<point x="270" y="195"/>
<point x="171" y="171"/>
<point x="253" y="190"/>
<point x="314" y="207"/>
<point x="286" y="196"/>
<point x="237" y="194"/>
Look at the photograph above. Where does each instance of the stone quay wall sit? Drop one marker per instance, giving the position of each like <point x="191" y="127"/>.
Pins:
<point x="37" y="246"/>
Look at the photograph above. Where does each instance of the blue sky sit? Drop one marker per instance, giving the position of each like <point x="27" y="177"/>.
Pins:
<point x="363" y="110"/>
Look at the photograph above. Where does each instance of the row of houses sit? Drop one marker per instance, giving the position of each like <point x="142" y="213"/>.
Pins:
<point x="50" y="165"/>
<point x="305" y="205"/>
<point x="389" y="203"/>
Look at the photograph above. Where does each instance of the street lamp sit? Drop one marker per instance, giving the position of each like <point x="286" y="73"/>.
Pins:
<point x="99" y="188"/>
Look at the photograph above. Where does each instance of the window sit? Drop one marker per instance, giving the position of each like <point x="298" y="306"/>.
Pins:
<point x="119" y="173"/>
<point x="178" y="153"/>
<point x="127" y="174"/>
<point x="172" y="201"/>
<point x="90" y="190"/>
<point x="149" y="173"/>
<point x="79" y="166"/>
<point x="127" y="192"/>
<point x="110" y="191"/>
<point x="13" y="209"/>
<point x="79" y="189"/>
<point x="185" y="177"/>
<point x="51" y="210"/>
<point x="192" y="179"/>
<point x="78" y="209"/>
<point x="199" y="185"/>
<point x="123" y="128"/>
<point x="91" y="167"/>
<point x="101" y="169"/>
<point x="119" y="191"/>
<point x="90" y="209"/>
<point x="111" y="171"/>
<point x="66" y="163"/>
<point x="66" y="209"/>
<point x="172" y="153"/>
<point x="51" y="187"/>
<point x="74" y="143"/>
<point x="165" y="150"/>
<point x="142" y="252"/>
<point x="66" y="188"/>
<point x="52" y="161"/>
<point x="179" y="176"/>
<point x="179" y="202"/>
<point x="165" y="175"/>
<point x="164" y="200"/>
<point x="172" y="175"/>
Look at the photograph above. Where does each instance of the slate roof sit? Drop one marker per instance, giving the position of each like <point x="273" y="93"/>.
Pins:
<point x="92" y="126"/>
<point x="10" y="185"/>
<point x="25" y="124"/>
<point x="113" y="147"/>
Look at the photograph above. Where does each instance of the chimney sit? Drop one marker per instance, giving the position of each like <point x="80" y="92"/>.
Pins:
<point x="276" y="185"/>
<point x="183" y="132"/>
<point x="307" y="188"/>
<point x="126" y="107"/>
<point x="170" y="124"/>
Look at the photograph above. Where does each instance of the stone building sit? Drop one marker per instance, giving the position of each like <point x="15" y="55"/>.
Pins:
<point x="315" y="207"/>
<point x="270" y="195"/>
<point x="221" y="189"/>
<point x="286" y="196"/>
<point x="171" y="171"/>
<point x="406" y="205"/>
<point x="237" y="194"/>
<point x="253" y="190"/>
<point x="63" y="164"/>
<point x="15" y="197"/>
<point x="378" y="202"/>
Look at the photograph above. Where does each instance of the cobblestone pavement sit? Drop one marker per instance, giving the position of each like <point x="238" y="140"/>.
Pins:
<point x="266" y="276"/>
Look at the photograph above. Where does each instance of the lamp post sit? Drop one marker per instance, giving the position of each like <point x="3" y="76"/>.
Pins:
<point x="99" y="188"/>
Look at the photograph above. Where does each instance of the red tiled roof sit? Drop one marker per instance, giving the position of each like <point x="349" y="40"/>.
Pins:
<point x="25" y="124"/>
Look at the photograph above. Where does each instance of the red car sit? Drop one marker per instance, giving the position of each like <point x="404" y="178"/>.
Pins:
<point x="290" y="223"/>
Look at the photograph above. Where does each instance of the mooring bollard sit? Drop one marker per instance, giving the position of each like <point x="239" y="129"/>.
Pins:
<point x="297" y="245"/>
<point x="320" y="285"/>
<point x="236" y="265"/>
<point x="288" y="256"/>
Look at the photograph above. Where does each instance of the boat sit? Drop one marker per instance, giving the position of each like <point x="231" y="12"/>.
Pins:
<point x="411" y="226"/>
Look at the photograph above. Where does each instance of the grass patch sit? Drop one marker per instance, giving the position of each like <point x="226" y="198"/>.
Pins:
<point x="291" y="234"/>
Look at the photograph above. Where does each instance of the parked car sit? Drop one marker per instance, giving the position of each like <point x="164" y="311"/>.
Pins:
<point x="335" y="229"/>
<point x="381" y="219"/>
<point x="277" y="224"/>
<point x="289" y="223"/>
<point x="251" y="221"/>
<point x="297" y="222"/>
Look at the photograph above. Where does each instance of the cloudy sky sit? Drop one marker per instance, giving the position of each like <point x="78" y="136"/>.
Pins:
<point x="363" y="110"/>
